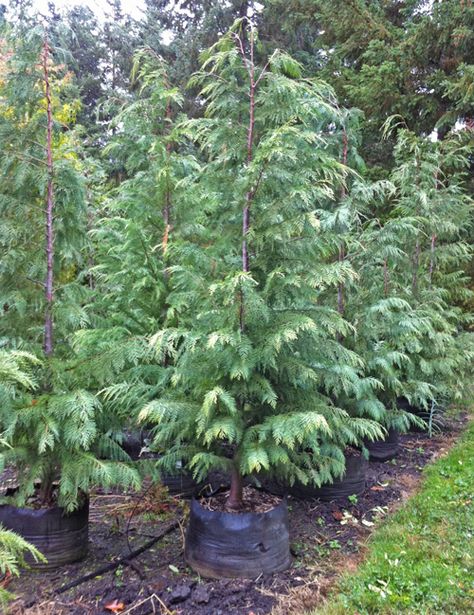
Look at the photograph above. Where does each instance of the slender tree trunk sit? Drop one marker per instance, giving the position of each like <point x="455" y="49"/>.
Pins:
<point x="235" y="499"/>
<point x="342" y="255"/>
<point x="433" y="241"/>
<point x="235" y="496"/>
<point x="49" y="234"/>
<point x="250" y="136"/>
<point x="432" y="257"/>
<point x="90" y="259"/>
<point x="249" y="194"/>
<point x="167" y="204"/>
<point x="416" y="265"/>
<point x="416" y="255"/>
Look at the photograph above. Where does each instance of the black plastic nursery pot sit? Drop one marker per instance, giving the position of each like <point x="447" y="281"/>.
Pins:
<point x="61" y="537"/>
<point x="384" y="449"/>
<point x="237" y="545"/>
<point x="421" y="413"/>
<point x="352" y="483"/>
<point x="179" y="483"/>
<point x="132" y="443"/>
<point x="182" y="484"/>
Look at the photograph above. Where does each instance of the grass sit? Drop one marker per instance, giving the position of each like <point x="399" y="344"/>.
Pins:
<point x="422" y="559"/>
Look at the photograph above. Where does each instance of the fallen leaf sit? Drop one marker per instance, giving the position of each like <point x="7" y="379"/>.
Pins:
<point x="377" y="488"/>
<point x="115" y="607"/>
<point x="337" y="514"/>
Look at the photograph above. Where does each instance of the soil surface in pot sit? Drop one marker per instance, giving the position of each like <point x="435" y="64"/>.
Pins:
<point x="327" y="539"/>
<point x="35" y="501"/>
<point x="253" y="501"/>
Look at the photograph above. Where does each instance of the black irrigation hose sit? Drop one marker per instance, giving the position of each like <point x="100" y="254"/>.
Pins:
<point x="126" y="559"/>
<point x="121" y="560"/>
<point x="132" y="514"/>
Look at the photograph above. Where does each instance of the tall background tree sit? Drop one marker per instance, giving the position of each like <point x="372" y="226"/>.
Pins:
<point x="383" y="57"/>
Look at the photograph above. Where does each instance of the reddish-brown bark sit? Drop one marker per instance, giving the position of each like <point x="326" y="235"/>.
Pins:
<point x="432" y="257"/>
<point x="235" y="500"/>
<point x="167" y="204"/>
<point x="49" y="211"/>
<point x="235" y="496"/>
<point x="342" y="255"/>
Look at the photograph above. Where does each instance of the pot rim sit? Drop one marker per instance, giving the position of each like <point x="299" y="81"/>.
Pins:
<point x="50" y="510"/>
<point x="197" y="506"/>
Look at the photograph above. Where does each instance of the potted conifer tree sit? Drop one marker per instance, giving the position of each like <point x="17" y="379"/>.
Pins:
<point x="406" y="323"/>
<point x="133" y="236"/>
<point x="341" y="223"/>
<point x="245" y="390"/>
<point x="52" y="435"/>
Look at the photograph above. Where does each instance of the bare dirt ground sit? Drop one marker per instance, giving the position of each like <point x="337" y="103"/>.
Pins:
<point x="326" y="538"/>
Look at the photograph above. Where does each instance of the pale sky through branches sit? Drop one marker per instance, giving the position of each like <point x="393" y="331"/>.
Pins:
<point x="100" y="7"/>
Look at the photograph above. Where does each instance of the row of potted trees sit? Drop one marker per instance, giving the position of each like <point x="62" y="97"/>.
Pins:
<point x="244" y="295"/>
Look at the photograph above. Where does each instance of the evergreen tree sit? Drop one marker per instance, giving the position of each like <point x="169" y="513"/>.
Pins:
<point x="82" y="37"/>
<point x="411" y="275"/>
<point x="48" y="437"/>
<point x="15" y="372"/>
<point x="140" y="221"/>
<point x="248" y="370"/>
<point x="181" y="30"/>
<point x="383" y="57"/>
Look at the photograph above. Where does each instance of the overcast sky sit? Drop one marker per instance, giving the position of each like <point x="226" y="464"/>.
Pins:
<point x="133" y="7"/>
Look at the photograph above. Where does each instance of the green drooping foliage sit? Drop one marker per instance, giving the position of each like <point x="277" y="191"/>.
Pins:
<point x="139" y="217"/>
<point x="251" y="267"/>
<point x="406" y="304"/>
<point x="384" y="57"/>
<point x="192" y="26"/>
<point x="59" y="433"/>
<point x="81" y="36"/>
<point x="15" y="371"/>
<point x="23" y="130"/>
<point x="140" y="222"/>
<point x="12" y="557"/>
<point x="254" y="362"/>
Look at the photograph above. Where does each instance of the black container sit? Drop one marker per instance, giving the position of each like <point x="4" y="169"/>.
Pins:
<point x="383" y="450"/>
<point x="181" y="484"/>
<point x="132" y="443"/>
<point x="237" y="545"/>
<point x="421" y="413"/>
<point x="352" y="483"/>
<point x="62" y="538"/>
